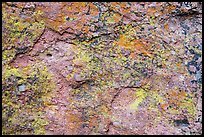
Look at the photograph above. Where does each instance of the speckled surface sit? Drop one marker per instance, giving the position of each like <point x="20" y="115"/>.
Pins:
<point x="102" y="68"/>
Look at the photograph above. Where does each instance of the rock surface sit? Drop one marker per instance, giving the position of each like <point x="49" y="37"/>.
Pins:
<point x="102" y="68"/>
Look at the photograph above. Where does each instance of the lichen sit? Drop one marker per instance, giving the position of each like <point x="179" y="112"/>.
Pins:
<point x="19" y="32"/>
<point x="30" y="115"/>
<point x="140" y="96"/>
<point x="115" y="47"/>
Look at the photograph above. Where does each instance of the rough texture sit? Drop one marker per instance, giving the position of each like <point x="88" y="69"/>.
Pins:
<point x="102" y="68"/>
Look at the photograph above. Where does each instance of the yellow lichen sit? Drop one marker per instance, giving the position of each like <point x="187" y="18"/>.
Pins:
<point x="28" y="105"/>
<point x="141" y="95"/>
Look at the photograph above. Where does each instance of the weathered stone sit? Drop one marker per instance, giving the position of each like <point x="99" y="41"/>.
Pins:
<point x="78" y="78"/>
<point x="116" y="123"/>
<point x="78" y="63"/>
<point x="22" y="87"/>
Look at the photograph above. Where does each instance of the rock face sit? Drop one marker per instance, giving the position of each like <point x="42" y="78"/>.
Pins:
<point x="102" y="68"/>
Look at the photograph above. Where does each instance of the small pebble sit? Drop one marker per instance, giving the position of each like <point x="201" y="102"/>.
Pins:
<point x="21" y="87"/>
<point x="78" y="78"/>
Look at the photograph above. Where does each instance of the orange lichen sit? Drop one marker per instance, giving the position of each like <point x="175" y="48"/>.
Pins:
<point x="74" y="121"/>
<point x="164" y="106"/>
<point x="124" y="7"/>
<point x="166" y="27"/>
<point x="138" y="44"/>
<point x="151" y="11"/>
<point x="93" y="10"/>
<point x="169" y="9"/>
<point x="121" y="7"/>
<point x="176" y="98"/>
<point x="173" y="93"/>
<point x="179" y="66"/>
<point x="117" y="17"/>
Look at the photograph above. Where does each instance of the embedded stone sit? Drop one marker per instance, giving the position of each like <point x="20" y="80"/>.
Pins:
<point x="21" y="88"/>
<point x="78" y="78"/>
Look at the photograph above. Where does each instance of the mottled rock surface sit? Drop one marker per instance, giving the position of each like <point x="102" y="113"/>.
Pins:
<point x="84" y="68"/>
